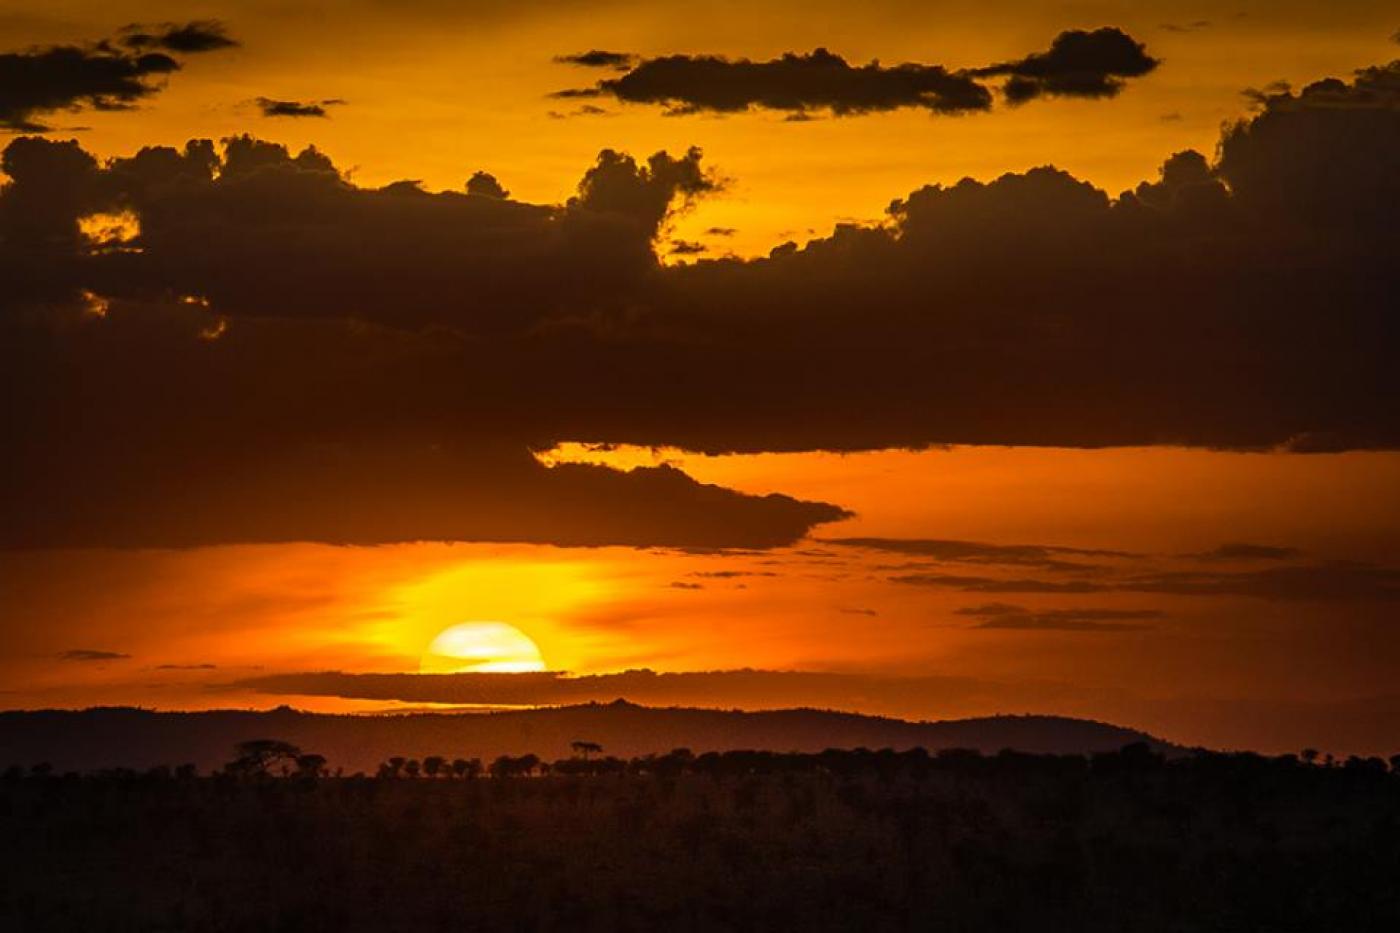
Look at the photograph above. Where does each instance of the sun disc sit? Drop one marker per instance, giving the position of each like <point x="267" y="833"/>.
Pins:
<point x="482" y="647"/>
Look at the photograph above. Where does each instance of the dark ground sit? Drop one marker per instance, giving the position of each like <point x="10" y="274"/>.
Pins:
<point x="742" y="841"/>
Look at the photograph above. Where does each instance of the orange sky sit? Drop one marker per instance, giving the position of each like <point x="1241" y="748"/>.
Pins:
<point x="253" y="610"/>
<point x="435" y="90"/>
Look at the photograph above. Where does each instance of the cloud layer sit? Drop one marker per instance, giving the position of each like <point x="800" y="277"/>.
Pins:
<point x="271" y="341"/>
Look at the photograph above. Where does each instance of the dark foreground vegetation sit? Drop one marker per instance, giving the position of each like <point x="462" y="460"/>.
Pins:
<point x="841" y="840"/>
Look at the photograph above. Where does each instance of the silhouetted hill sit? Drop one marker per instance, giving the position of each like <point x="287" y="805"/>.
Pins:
<point x="133" y="738"/>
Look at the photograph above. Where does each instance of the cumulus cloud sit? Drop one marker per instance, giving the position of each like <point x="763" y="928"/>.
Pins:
<point x="618" y="185"/>
<point x="393" y="255"/>
<point x="485" y="185"/>
<point x="1078" y="64"/>
<point x="108" y="75"/>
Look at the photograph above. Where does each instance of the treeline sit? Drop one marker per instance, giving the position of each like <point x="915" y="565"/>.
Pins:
<point x="869" y="840"/>
<point x="273" y="758"/>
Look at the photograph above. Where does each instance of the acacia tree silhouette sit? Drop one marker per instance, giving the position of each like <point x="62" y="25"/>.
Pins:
<point x="257" y="756"/>
<point x="584" y="749"/>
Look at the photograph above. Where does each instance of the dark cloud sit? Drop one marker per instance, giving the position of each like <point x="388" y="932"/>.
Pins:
<point x="61" y="78"/>
<point x="92" y="654"/>
<point x="1334" y="582"/>
<point x="1078" y="64"/>
<point x="209" y="488"/>
<point x="271" y="107"/>
<point x="1334" y="174"/>
<point x="973" y="584"/>
<point x="277" y="341"/>
<point x="585" y="110"/>
<point x="1245" y="551"/>
<point x="731" y="574"/>
<point x="109" y="75"/>
<point x="687" y="248"/>
<point x="188" y="38"/>
<point x="598" y="58"/>
<point x="1009" y="616"/>
<point x="819" y="80"/>
<point x="485" y="185"/>
<point x="617" y="185"/>
<point x="317" y="412"/>
<point x="976" y="552"/>
<point x="1193" y="26"/>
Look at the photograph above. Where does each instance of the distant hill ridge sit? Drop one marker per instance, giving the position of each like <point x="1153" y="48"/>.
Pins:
<point x="80" y="740"/>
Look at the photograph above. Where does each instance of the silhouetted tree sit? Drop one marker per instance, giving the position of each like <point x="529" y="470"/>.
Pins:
<point x="412" y="767"/>
<point x="256" y="756"/>
<point x="311" y="765"/>
<point x="432" y="765"/>
<point x="466" y="767"/>
<point x="507" y="766"/>
<point x="1309" y="755"/>
<point x="585" y="749"/>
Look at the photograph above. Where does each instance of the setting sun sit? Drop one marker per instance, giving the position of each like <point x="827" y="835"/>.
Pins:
<point x="483" y="648"/>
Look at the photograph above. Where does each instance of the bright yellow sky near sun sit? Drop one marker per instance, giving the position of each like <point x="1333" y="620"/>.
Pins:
<point x="439" y="89"/>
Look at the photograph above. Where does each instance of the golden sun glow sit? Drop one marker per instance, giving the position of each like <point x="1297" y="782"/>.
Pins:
<point x="482" y="647"/>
